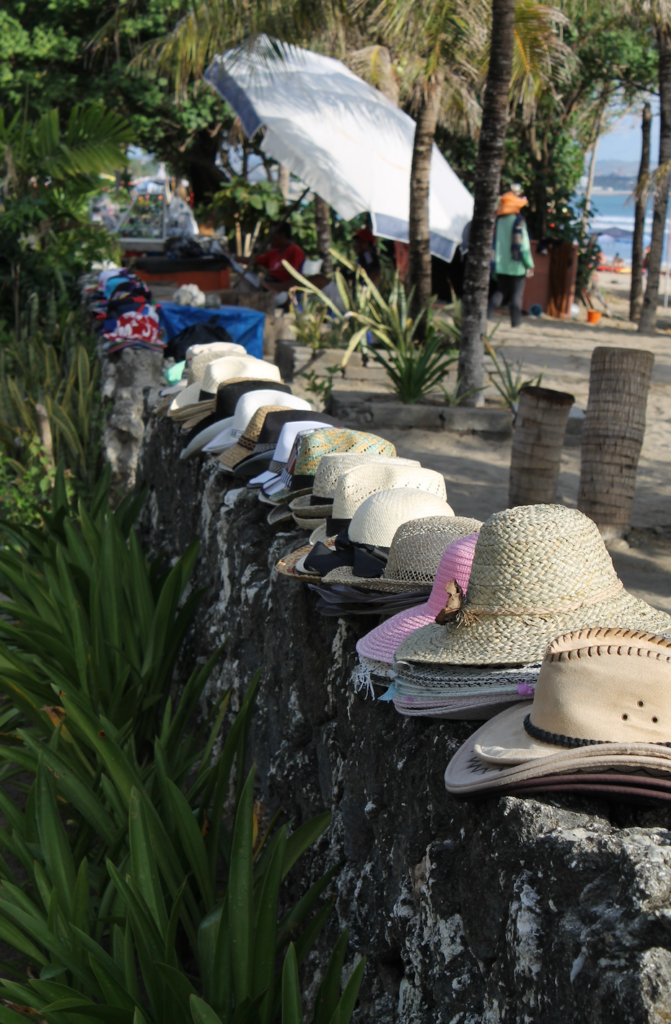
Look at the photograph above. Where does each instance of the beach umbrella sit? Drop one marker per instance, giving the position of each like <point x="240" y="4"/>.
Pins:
<point x="341" y="137"/>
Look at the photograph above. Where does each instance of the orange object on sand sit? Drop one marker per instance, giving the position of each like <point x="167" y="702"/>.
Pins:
<point x="593" y="316"/>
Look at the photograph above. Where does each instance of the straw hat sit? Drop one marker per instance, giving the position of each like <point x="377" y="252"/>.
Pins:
<point x="287" y="566"/>
<point x="244" y="447"/>
<point x="455" y="564"/>
<point x="194" y="367"/>
<point x="245" y="408"/>
<point x="285" y="443"/>
<point x="296" y="422"/>
<point x="358" y="484"/>
<point x="602" y="702"/>
<point x="222" y="417"/>
<point x="324" y="442"/>
<point x="538" y="571"/>
<point x="201" y="395"/>
<point x="252" y="439"/>
<point x="378" y="518"/>
<point x="319" y="504"/>
<point x="414" y="557"/>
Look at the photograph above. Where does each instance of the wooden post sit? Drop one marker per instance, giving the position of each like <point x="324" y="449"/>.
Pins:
<point x="540" y="425"/>
<point x="612" y="436"/>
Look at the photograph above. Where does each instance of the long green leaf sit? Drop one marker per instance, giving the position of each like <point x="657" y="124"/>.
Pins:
<point x="292" y="1012"/>
<point x="240" y="892"/>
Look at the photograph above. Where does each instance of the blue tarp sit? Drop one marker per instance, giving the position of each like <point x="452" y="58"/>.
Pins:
<point x="245" y="326"/>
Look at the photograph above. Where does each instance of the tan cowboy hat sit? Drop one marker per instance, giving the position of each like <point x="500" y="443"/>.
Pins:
<point x="538" y="571"/>
<point x="602" y="702"/>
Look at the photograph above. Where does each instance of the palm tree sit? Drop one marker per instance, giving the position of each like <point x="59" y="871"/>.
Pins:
<point x="486" y="196"/>
<point x="636" y="291"/>
<point x="658" y="15"/>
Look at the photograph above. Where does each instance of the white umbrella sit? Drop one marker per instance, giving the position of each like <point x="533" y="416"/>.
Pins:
<point x="341" y="137"/>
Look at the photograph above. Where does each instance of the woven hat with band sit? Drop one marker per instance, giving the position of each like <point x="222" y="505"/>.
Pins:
<point x="358" y="484"/>
<point x="365" y="545"/>
<point x="275" y="424"/>
<point x="284" y="446"/>
<point x="414" y="557"/>
<point x="325" y="442"/>
<point x="226" y="401"/>
<point x="196" y="364"/>
<point x="201" y="396"/>
<point x="602" y="703"/>
<point x="246" y="452"/>
<point x="319" y="504"/>
<point x="245" y="408"/>
<point x="538" y="572"/>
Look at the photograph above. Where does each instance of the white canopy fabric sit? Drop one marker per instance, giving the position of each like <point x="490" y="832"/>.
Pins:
<point x="341" y="137"/>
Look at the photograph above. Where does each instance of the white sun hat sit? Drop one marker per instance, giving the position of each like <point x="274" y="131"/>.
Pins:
<point x="378" y="517"/>
<point x="194" y="367"/>
<point x="201" y="396"/>
<point x="231" y="432"/>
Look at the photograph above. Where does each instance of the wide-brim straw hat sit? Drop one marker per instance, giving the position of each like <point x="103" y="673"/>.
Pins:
<point x="538" y="572"/>
<point x="602" y="702"/>
<point x="414" y="556"/>
<point x="455" y="564"/>
<point x="201" y="396"/>
<point x="287" y="566"/>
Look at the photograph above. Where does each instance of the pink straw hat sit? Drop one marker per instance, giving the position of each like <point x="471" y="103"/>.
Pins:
<point x="380" y="644"/>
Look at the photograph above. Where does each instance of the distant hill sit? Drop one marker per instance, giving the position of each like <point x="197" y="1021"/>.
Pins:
<point x="620" y="168"/>
<point x="615" y="181"/>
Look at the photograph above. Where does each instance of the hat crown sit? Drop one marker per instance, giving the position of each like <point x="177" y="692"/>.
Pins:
<point x="418" y="548"/>
<point x="455" y="564"/>
<point x="229" y="393"/>
<point x="323" y="442"/>
<point x="197" y="362"/>
<point x="606" y="685"/>
<point x="228" y="367"/>
<point x="378" y="518"/>
<point x="249" y="402"/>
<point x="539" y="558"/>
<point x="359" y="483"/>
<point x="334" y="464"/>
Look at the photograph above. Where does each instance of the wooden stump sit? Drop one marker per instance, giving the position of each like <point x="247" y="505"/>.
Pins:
<point x="540" y="426"/>
<point x="612" y="436"/>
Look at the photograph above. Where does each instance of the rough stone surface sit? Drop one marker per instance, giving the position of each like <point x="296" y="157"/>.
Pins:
<point x="127" y="378"/>
<point x="503" y="911"/>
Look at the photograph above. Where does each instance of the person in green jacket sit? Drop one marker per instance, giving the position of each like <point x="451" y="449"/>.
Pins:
<point x="512" y="261"/>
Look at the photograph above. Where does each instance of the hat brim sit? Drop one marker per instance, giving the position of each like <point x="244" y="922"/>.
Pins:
<point x="174" y="389"/>
<point x="285" y="495"/>
<point x="242" y="467"/>
<point x="305" y="524"/>
<point x="197" y="444"/>
<point x="287" y="566"/>
<point x="381" y="643"/>
<point x="280" y="514"/>
<point x="345" y="575"/>
<point x="224" y="439"/>
<point x="320" y="534"/>
<point x="516" y="639"/>
<point x="467" y="773"/>
<point x="304" y="508"/>
<point x="471" y="709"/>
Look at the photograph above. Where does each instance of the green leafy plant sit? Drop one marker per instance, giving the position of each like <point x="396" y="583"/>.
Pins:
<point x="178" y="922"/>
<point x="25" y="485"/>
<point x="312" y="323"/>
<point x="87" y="610"/>
<point x="508" y="379"/>
<point x="453" y="398"/>
<point x="320" y="386"/>
<point x="52" y="367"/>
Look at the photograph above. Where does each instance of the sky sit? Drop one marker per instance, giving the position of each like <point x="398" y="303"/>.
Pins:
<point x="623" y="141"/>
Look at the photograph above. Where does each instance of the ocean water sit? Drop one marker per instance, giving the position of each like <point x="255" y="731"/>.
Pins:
<point x="616" y="210"/>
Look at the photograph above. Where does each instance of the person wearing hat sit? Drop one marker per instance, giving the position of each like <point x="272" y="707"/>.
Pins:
<point x="366" y="254"/>
<point x="512" y="261"/>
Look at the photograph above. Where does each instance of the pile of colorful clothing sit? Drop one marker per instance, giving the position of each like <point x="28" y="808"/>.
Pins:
<point x="122" y="306"/>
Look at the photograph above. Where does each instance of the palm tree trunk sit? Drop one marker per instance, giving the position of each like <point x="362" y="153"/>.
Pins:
<point x="283" y="179"/>
<point x="636" y="293"/>
<point x="612" y="436"/>
<point x="540" y="426"/>
<point x="323" y="227"/>
<point x="486" y="195"/>
<point x="649" y="312"/>
<point x="420" y="248"/>
<point x="592" y="164"/>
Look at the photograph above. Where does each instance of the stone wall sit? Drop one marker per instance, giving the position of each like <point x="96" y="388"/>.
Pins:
<point x="502" y="910"/>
